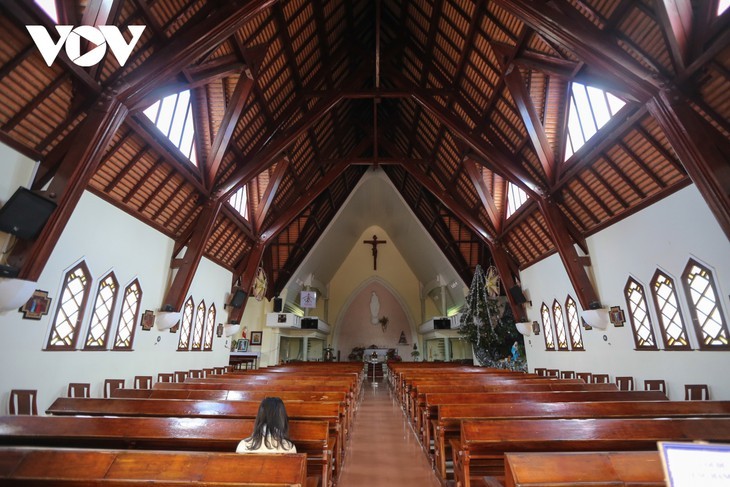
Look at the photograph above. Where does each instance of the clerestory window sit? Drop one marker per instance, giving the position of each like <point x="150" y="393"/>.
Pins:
<point x="173" y="116"/>
<point x="70" y="311"/>
<point x="547" y="327"/>
<point x="707" y="315"/>
<point x="639" y="314"/>
<point x="186" y="325"/>
<point x="589" y="110"/>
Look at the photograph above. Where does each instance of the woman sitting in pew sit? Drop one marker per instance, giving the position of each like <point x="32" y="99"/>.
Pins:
<point x="270" y="430"/>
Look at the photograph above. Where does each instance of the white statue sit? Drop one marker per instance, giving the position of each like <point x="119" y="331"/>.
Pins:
<point x="374" y="308"/>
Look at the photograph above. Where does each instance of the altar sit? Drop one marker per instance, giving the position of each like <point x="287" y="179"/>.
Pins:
<point x="381" y="354"/>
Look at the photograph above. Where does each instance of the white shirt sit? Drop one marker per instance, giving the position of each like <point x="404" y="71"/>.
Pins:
<point x="244" y="447"/>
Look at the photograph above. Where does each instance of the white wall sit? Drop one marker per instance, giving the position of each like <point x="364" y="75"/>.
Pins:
<point x="664" y="235"/>
<point x="107" y="239"/>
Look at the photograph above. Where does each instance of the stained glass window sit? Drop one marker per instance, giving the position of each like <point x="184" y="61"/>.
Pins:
<point x="707" y="314"/>
<point x="210" y="328"/>
<point x="576" y="336"/>
<point x="547" y="327"/>
<point x="199" y="326"/>
<point x="101" y="319"/>
<point x="70" y="311"/>
<point x="639" y="314"/>
<point x="560" y="326"/>
<point x="186" y="325"/>
<point x="674" y="333"/>
<point x="128" y="318"/>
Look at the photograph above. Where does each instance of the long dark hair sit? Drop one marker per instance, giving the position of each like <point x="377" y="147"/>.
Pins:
<point x="271" y="426"/>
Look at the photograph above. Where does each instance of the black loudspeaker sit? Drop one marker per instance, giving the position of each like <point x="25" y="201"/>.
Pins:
<point x="309" y="323"/>
<point x="278" y="305"/>
<point x="238" y="298"/>
<point x="516" y="293"/>
<point x="25" y="214"/>
<point x="442" y="324"/>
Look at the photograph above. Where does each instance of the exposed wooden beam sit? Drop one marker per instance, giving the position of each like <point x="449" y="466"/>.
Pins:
<point x="703" y="151"/>
<point x="227" y="126"/>
<point x="73" y="175"/>
<point x="505" y="266"/>
<point x="203" y="228"/>
<point x="246" y="272"/>
<point x="269" y="154"/>
<point x="558" y="228"/>
<point x="589" y="44"/>
<point x="677" y="20"/>
<point x="485" y="195"/>
<point x="302" y="203"/>
<point x="270" y="193"/>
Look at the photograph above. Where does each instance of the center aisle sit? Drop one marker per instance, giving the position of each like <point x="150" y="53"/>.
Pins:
<point x="383" y="450"/>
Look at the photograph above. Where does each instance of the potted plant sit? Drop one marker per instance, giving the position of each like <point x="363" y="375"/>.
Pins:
<point x="415" y="353"/>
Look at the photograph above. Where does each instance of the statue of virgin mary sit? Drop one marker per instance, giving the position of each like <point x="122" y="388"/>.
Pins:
<point x="374" y="308"/>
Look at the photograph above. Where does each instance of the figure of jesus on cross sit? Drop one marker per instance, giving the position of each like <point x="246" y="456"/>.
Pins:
<point x="375" y="242"/>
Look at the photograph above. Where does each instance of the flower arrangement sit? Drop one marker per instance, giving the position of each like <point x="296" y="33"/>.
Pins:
<point x="383" y="323"/>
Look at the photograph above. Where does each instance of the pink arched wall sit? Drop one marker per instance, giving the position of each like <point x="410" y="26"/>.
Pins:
<point x="356" y="330"/>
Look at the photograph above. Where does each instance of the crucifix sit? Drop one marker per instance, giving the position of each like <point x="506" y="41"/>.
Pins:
<point x="375" y="242"/>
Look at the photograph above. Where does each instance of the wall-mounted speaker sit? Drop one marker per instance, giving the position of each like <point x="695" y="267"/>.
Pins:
<point x="441" y="324"/>
<point x="309" y="323"/>
<point x="517" y="296"/>
<point x="25" y="213"/>
<point x="278" y="305"/>
<point x="238" y="298"/>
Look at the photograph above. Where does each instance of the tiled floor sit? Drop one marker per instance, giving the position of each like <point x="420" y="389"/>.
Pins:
<point x="383" y="450"/>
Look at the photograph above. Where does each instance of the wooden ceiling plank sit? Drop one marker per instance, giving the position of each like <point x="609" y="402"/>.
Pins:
<point x="579" y="181"/>
<point x="677" y="19"/>
<point x="142" y="181"/>
<point x="639" y="162"/>
<point x="240" y="222"/>
<point x="178" y="290"/>
<point x="155" y="192"/>
<point x="169" y="199"/>
<point x="588" y="43"/>
<point x="561" y="68"/>
<point x="609" y="187"/>
<point x="669" y="156"/>
<point x="125" y="170"/>
<point x="639" y="192"/>
<point x="703" y="151"/>
<point x="557" y="226"/>
<point x="67" y="186"/>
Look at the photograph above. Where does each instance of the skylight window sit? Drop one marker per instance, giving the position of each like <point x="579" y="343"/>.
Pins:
<point x="515" y="198"/>
<point x="590" y="109"/>
<point x="173" y="115"/>
<point x="722" y="5"/>
<point x="239" y="202"/>
<point x="49" y="7"/>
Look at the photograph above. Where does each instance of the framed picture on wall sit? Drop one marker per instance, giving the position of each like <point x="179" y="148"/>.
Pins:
<point x="242" y="345"/>
<point x="256" y="337"/>
<point x="37" y="306"/>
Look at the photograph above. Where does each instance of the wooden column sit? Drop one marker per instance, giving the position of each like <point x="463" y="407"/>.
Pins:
<point x="558" y="227"/>
<point x="187" y="266"/>
<point x="505" y="266"/>
<point x="73" y="175"/>
<point x="703" y="151"/>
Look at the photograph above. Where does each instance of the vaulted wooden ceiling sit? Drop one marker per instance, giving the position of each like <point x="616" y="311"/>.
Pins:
<point x="296" y="99"/>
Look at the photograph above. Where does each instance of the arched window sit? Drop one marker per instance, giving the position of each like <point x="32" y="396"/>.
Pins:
<point x="101" y="320"/>
<point x="674" y="333"/>
<point x="639" y="314"/>
<point x="707" y="316"/>
<point x="547" y="327"/>
<point x="210" y="328"/>
<point x="560" y="326"/>
<point x="186" y="325"/>
<point x="199" y="326"/>
<point x="128" y="317"/>
<point x="70" y="311"/>
<point x="576" y="337"/>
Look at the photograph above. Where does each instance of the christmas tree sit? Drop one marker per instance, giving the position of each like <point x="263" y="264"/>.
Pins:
<point x="490" y="330"/>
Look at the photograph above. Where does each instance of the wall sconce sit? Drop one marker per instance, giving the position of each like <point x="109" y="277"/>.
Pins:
<point x="524" y="327"/>
<point x="14" y="293"/>
<point x="597" y="318"/>
<point x="167" y="319"/>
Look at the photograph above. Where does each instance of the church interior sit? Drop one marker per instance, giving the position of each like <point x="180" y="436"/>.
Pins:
<point x="334" y="189"/>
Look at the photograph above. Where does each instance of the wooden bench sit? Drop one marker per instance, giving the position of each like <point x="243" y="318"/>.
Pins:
<point x="187" y="408"/>
<point x="430" y="408"/>
<point x="179" y="434"/>
<point x="589" y="469"/>
<point x="75" y="467"/>
<point x="446" y="425"/>
<point x="483" y="443"/>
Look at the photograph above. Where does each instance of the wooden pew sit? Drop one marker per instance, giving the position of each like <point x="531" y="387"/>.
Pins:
<point x="584" y="469"/>
<point x="75" y="467"/>
<point x="447" y="423"/>
<point x="186" y="408"/>
<point x="224" y="395"/>
<point x="179" y="434"/>
<point x="483" y="443"/>
<point x="430" y="408"/>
